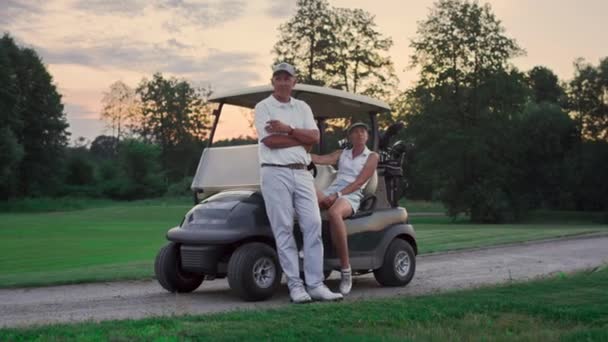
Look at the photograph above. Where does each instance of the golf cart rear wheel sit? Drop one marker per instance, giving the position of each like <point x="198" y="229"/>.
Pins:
<point x="169" y="273"/>
<point x="398" y="266"/>
<point x="254" y="272"/>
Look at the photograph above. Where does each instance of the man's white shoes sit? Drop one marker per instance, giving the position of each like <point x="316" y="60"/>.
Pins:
<point x="299" y="295"/>
<point x="322" y="293"/>
<point x="346" y="283"/>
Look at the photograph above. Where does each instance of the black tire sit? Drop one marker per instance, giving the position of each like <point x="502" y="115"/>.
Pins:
<point x="253" y="271"/>
<point x="169" y="273"/>
<point x="391" y="274"/>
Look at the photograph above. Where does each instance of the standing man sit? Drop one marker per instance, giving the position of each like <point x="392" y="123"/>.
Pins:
<point x="286" y="132"/>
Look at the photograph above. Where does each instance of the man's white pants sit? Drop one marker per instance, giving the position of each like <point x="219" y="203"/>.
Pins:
<point x="287" y="191"/>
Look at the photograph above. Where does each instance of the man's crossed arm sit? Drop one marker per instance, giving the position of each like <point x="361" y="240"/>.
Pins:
<point x="294" y="137"/>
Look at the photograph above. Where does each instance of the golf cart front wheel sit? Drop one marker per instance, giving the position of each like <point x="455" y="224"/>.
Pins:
<point x="398" y="266"/>
<point x="169" y="273"/>
<point x="254" y="272"/>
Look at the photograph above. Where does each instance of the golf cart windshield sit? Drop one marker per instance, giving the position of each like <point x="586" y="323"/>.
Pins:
<point x="237" y="167"/>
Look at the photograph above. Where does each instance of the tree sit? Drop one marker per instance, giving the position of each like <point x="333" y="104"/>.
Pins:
<point x="337" y="47"/>
<point x="587" y="167"/>
<point x="175" y="116"/>
<point x="104" y="147"/>
<point x="544" y="85"/>
<point x="460" y="43"/>
<point x="136" y="172"/>
<point x="139" y="162"/>
<point x="37" y="121"/>
<point x="304" y="39"/>
<point x="11" y="151"/>
<point x="120" y="105"/>
<point x="588" y="99"/>
<point x="550" y="136"/>
<point x="80" y="169"/>
<point x="360" y="63"/>
<point x="463" y="109"/>
<point x="9" y="90"/>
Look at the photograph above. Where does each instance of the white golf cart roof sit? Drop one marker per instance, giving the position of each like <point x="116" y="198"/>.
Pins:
<point x="324" y="102"/>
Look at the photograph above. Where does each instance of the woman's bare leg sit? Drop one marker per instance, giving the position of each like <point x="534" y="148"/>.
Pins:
<point x="338" y="211"/>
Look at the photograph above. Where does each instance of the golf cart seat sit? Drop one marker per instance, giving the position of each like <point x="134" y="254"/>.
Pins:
<point x="367" y="218"/>
<point x="376" y="221"/>
<point x="326" y="174"/>
<point x="227" y="168"/>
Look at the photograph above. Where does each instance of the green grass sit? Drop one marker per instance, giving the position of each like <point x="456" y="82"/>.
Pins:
<point x="564" y="308"/>
<point x="441" y="233"/>
<point x="114" y="242"/>
<point x="119" y="240"/>
<point x="415" y="206"/>
<point x="49" y="204"/>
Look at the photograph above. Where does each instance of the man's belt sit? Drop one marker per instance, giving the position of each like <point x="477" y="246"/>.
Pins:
<point x="288" y="166"/>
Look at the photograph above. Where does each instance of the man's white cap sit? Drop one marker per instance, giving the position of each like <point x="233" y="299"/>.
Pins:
<point x="288" y="68"/>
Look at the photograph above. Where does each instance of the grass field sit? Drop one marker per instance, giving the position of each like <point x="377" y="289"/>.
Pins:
<point x="46" y="204"/>
<point x="564" y="308"/>
<point x="119" y="240"/>
<point x="114" y="242"/>
<point x="422" y="206"/>
<point x="440" y="233"/>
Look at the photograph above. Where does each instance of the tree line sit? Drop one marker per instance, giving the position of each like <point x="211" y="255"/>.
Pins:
<point x="492" y="141"/>
<point x="487" y="139"/>
<point x="158" y="132"/>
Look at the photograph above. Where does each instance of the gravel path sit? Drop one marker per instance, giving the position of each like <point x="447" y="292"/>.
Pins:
<point x="435" y="273"/>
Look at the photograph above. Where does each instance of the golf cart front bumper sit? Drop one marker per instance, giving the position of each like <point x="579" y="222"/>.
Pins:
<point x="201" y="235"/>
<point x="202" y="259"/>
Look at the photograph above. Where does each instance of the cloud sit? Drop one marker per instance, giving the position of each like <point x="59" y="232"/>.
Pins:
<point x="281" y="9"/>
<point x="7" y="6"/>
<point x="204" y="13"/>
<point x="176" y="44"/>
<point x="160" y="27"/>
<point x="215" y="61"/>
<point x="78" y="111"/>
<point x="201" y="13"/>
<point x="14" y="10"/>
<point x="171" y="27"/>
<point x="104" y="7"/>
<point x="218" y="68"/>
<point x="125" y="53"/>
<point x="118" y="53"/>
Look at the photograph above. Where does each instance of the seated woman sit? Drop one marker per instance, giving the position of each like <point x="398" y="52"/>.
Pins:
<point x="342" y="198"/>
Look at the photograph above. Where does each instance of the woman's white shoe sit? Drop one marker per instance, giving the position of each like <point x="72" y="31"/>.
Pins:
<point x="346" y="283"/>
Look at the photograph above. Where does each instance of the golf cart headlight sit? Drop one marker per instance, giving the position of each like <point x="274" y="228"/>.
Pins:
<point x="209" y="221"/>
<point x="203" y="217"/>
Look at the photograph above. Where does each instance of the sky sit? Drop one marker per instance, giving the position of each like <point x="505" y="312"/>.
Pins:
<point x="89" y="44"/>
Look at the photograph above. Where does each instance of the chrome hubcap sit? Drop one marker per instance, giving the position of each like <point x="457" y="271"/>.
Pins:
<point x="264" y="272"/>
<point x="402" y="264"/>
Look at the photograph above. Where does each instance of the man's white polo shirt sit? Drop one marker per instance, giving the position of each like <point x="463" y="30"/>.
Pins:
<point x="296" y="113"/>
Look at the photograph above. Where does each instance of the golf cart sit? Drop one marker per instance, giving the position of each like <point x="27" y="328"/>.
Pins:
<point x="227" y="232"/>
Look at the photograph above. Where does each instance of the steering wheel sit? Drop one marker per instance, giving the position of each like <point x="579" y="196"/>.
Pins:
<point x="312" y="167"/>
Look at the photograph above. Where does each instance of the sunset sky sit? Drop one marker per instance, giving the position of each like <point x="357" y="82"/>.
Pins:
<point x="89" y="44"/>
